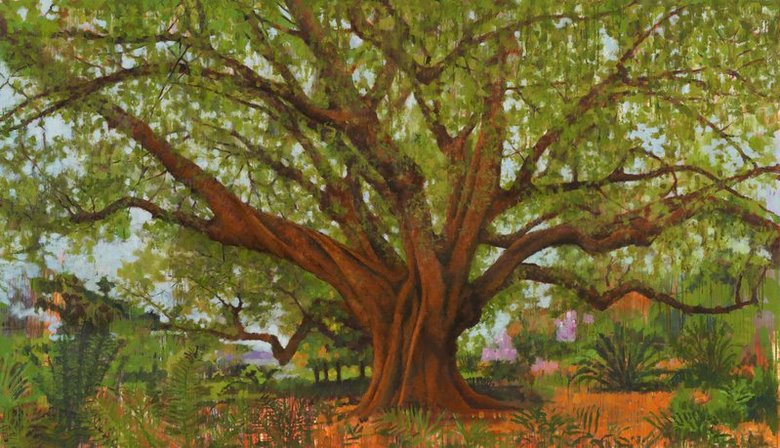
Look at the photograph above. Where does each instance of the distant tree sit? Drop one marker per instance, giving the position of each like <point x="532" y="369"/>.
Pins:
<point x="419" y="160"/>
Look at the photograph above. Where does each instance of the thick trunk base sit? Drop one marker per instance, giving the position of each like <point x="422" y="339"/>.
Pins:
<point x="427" y="377"/>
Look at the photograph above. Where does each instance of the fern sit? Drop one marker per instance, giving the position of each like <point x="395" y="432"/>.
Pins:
<point x="183" y="393"/>
<point x="20" y="422"/>
<point x="78" y="365"/>
<point x="128" y="418"/>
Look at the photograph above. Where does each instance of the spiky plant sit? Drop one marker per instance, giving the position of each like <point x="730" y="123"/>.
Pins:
<point x="708" y="350"/>
<point x="20" y="421"/>
<point x="622" y="361"/>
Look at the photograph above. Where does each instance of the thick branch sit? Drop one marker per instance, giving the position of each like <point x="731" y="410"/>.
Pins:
<point x="603" y="300"/>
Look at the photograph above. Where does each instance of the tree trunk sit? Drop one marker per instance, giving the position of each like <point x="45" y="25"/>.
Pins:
<point x="325" y="372"/>
<point x="362" y="368"/>
<point x="420" y="369"/>
<point x="338" y="372"/>
<point x="316" y="375"/>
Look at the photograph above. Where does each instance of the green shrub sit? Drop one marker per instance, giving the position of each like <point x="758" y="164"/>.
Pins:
<point x="706" y="347"/>
<point x="763" y="405"/>
<point x="622" y="361"/>
<point x="183" y="394"/>
<point x="729" y="405"/>
<point x="411" y="427"/>
<point x="689" y="422"/>
<point x="21" y="423"/>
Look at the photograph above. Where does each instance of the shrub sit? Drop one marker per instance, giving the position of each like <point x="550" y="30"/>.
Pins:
<point x="706" y="346"/>
<point x="21" y="421"/>
<point x="689" y="423"/>
<point x="622" y="361"/>
<point x="763" y="404"/>
<point x="411" y="427"/>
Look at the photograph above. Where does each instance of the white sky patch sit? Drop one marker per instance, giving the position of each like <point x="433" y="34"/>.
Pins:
<point x="610" y="46"/>
<point x="561" y="23"/>
<point x="652" y="139"/>
<point x="354" y="41"/>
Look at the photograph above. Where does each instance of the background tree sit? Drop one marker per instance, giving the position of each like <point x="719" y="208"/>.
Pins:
<point x="418" y="160"/>
<point x="231" y="294"/>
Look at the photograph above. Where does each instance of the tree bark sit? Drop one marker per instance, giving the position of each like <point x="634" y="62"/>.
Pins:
<point x="421" y="370"/>
<point x="362" y="368"/>
<point x="325" y="373"/>
<point x="338" y="372"/>
<point x="316" y="375"/>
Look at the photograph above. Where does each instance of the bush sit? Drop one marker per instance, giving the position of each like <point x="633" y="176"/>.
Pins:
<point x="706" y="346"/>
<point x="763" y="405"/>
<point x="622" y="361"/>
<point x="689" y="422"/>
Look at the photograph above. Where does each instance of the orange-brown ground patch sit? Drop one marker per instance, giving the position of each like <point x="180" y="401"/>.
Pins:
<point x="623" y="412"/>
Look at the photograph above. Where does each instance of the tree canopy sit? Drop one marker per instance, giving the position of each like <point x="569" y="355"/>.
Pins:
<point x="419" y="160"/>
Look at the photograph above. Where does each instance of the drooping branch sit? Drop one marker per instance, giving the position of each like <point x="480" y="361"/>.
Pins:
<point x="176" y="217"/>
<point x="602" y="300"/>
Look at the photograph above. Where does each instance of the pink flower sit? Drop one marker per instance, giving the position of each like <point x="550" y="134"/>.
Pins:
<point x="543" y="367"/>
<point x="566" y="327"/>
<point x="504" y="352"/>
<point x="587" y="319"/>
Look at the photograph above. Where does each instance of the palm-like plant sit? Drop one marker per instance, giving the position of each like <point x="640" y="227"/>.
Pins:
<point x="709" y="353"/>
<point x="622" y="361"/>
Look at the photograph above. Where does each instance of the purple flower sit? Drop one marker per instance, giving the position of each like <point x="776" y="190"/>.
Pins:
<point x="764" y="319"/>
<point x="566" y="327"/>
<point x="504" y="352"/>
<point x="587" y="319"/>
<point x="543" y="367"/>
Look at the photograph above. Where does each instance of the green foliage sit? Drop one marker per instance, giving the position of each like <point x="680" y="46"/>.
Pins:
<point x="688" y="421"/>
<point x="706" y="347"/>
<point x="540" y="427"/>
<point x="476" y="434"/>
<point x="411" y="427"/>
<point x="184" y="395"/>
<point x="544" y="428"/>
<point x="127" y="418"/>
<point x="729" y="404"/>
<point x="622" y="361"/>
<point x="21" y="419"/>
<point x="763" y="405"/>
<point x="78" y="364"/>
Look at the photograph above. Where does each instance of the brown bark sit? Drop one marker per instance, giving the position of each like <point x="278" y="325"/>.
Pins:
<point x="414" y="364"/>
<point x="362" y="368"/>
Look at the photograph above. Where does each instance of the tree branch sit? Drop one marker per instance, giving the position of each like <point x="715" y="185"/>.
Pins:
<point x="157" y="212"/>
<point x="603" y="300"/>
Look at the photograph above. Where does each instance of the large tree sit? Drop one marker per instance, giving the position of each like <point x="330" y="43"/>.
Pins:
<point x="418" y="157"/>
